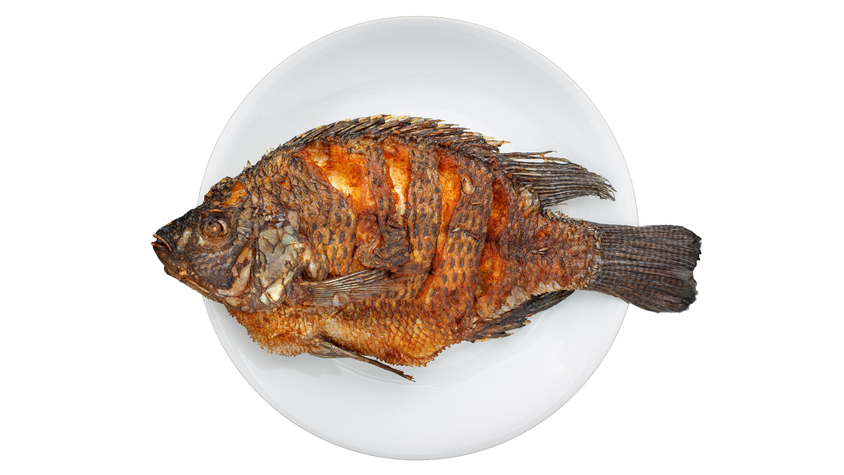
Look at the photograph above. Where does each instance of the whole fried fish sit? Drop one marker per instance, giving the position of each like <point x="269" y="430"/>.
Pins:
<point x="396" y="237"/>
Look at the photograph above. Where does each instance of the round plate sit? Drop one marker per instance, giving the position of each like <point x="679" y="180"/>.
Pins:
<point x="473" y="396"/>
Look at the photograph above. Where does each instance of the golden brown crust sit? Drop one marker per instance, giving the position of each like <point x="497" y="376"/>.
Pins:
<point x="468" y="242"/>
<point x="448" y="233"/>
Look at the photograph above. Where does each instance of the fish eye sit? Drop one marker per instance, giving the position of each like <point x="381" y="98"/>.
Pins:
<point x="215" y="227"/>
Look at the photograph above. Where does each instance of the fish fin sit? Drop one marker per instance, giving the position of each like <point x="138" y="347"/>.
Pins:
<point x="555" y="180"/>
<point x="353" y="287"/>
<point x="518" y="317"/>
<point x="330" y="350"/>
<point x="650" y="266"/>
<point x="430" y="130"/>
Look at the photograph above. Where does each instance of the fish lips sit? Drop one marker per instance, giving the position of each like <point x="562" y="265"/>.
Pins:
<point x="163" y="248"/>
<point x="168" y="245"/>
<point x="161" y="245"/>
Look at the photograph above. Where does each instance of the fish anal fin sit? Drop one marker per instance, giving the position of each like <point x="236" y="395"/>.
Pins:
<point x="554" y="180"/>
<point x="331" y="350"/>
<point x="518" y="317"/>
<point x="353" y="287"/>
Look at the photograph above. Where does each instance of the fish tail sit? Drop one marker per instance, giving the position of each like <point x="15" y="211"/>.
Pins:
<point x="650" y="266"/>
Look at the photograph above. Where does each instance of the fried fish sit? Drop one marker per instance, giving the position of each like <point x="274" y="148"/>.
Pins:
<point x="388" y="239"/>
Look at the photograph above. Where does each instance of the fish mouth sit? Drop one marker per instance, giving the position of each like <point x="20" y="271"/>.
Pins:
<point x="174" y="266"/>
<point x="161" y="243"/>
<point x="164" y="250"/>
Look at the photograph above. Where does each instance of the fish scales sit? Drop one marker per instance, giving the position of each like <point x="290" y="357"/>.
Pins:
<point x="394" y="238"/>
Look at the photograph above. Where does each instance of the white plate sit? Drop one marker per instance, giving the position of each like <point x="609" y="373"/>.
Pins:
<point x="473" y="396"/>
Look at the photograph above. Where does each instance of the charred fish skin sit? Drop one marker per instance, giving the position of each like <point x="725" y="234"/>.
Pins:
<point x="396" y="237"/>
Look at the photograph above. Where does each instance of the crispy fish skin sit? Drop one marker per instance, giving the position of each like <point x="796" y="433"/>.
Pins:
<point x="395" y="237"/>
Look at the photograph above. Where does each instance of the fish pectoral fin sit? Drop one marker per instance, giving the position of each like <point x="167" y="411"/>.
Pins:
<point x="354" y="287"/>
<point x="330" y="350"/>
<point x="518" y="317"/>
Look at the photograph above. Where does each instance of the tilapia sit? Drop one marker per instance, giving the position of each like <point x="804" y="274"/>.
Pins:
<point x="388" y="239"/>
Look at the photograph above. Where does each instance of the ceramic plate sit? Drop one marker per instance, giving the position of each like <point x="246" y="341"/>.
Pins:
<point x="473" y="396"/>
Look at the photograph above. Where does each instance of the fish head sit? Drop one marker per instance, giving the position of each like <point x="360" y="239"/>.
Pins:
<point x="235" y="248"/>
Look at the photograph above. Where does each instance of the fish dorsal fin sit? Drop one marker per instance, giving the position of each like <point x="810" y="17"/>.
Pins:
<point x="354" y="287"/>
<point x="554" y="180"/>
<point x="433" y="130"/>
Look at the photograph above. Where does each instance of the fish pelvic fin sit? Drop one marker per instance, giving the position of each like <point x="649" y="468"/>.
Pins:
<point x="331" y="350"/>
<point x="650" y="266"/>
